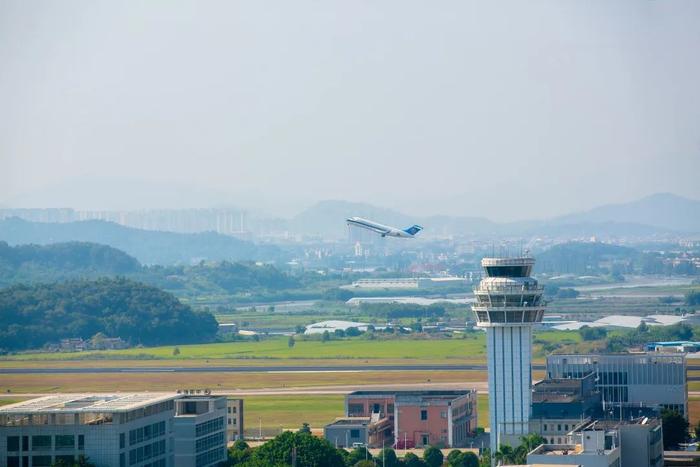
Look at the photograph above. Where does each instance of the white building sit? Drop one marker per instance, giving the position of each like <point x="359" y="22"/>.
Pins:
<point x="332" y="325"/>
<point x="200" y="430"/>
<point x="509" y="303"/>
<point x="112" y="430"/>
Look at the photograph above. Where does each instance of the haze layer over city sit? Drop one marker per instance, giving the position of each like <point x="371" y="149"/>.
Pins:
<point x="349" y="233"/>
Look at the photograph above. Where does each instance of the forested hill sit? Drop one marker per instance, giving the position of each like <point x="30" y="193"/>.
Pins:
<point x="148" y="246"/>
<point x="32" y="316"/>
<point x="61" y="261"/>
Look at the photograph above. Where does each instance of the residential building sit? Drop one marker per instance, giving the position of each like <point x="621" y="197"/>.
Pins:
<point x="629" y="382"/>
<point x="509" y="304"/>
<point x="122" y="429"/>
<point x="419" y="418"/>
<point x="234" y="419"/>
<point x="200" y="430"/>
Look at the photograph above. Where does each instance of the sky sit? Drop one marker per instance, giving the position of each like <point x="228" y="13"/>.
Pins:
<point x="509" y="110"/>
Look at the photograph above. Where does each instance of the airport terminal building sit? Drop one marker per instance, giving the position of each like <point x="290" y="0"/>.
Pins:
<point x="631" y="381"/>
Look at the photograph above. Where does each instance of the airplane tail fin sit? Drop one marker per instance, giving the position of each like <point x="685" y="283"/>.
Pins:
<point x="414" y="229"/>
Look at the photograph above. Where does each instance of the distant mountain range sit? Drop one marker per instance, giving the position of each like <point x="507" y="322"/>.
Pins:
<point x="662" y="210"/>
<point x="655" y="214"/>
<point x="652" y="217"/>
<point x="148" y="246"/>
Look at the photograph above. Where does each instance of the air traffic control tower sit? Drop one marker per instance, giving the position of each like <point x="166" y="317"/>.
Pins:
<point x="508" y="304"/>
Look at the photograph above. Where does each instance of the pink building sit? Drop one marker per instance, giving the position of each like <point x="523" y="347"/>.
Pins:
<point x="420" y="418"/>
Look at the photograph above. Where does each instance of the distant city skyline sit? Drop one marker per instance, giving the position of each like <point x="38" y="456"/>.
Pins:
<point x="121" y="106"/>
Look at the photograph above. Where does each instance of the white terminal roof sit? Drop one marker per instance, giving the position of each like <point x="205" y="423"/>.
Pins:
<point x="332" y="325"/>
<point x="76" y="403"/>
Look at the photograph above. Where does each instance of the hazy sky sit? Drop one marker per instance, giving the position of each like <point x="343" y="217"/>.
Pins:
<point x="506" y="109"/>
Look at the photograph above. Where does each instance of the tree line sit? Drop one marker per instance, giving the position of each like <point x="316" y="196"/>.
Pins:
<point x="32" y="316"/>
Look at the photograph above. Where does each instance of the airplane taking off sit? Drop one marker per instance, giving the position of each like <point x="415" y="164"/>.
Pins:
<point x="384" y="230"/>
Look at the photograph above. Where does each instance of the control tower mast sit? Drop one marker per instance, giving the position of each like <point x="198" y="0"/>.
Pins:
<point x="508" y="304"/>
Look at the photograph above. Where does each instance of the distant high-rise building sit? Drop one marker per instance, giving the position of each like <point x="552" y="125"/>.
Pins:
<point x="508" y="304"/>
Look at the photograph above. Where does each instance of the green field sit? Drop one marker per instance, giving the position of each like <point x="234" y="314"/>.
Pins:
<point x="275" y="413"/>
<point x="277" y="348"/>
<point x="472" y="348"/>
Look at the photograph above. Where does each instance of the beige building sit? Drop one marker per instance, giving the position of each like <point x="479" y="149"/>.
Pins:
<point x="234" y="419"/>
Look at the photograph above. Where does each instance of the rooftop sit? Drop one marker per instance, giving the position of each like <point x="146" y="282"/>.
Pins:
<point x="77" y="403"/>
<point x="350" y="421"/>
<point x="517" y="261"/>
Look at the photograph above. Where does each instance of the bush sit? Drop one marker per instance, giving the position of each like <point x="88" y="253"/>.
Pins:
<point x="433" y="456"/>
<point x="592" y="334"/>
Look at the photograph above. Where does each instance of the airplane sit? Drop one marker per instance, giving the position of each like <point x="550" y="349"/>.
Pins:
<point x="384" y="230"/>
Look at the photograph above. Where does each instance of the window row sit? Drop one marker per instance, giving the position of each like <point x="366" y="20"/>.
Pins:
<point x="45" y="443"/>
<point x="146" y="433"/>
<point x="211" y="426"/>
<point x="205" y="444"/>
<point x="143" y="453"/>
<point x="210" y="457"/>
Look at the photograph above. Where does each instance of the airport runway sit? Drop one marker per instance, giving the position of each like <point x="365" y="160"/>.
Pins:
<point x="251" y="369"/>
<point x="267" y="369"/>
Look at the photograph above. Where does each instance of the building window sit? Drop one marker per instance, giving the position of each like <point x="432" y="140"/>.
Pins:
<point x="64" y="460"/>
<point x="354" y="433"/>
<point x="41" y="443"/>
<point x="41" y="461"/>
<point x="81" y="442"/>
<point x="12" y="461"/>
<point x="443" y="414"/>
<point x="544" y="427"/>
<point x="423" y="414"/>
<point x="25" y="444"/>
<point x="13" y="443"/>
<point x="566" y="427"/>
<point x="65" y="442"/>
<point x="559" y="427"/>
<point x="122" y="440"/>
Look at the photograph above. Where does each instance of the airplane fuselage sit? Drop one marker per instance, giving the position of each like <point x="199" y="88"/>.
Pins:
<point x="381" y="229"/>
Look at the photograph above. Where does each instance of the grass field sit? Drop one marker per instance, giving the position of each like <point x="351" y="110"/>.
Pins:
<point x="451" y="350"/>
<point x="275" y="413"/>
<point x="277" y="348"/>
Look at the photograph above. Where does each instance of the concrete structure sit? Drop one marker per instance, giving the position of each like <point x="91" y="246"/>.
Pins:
<point x="509" y="304"/>
<point x="420" y="418"/>
<point x="234" y="419"/>
<point x="594" y="448"/>
<point x="352" y="431"/>
<point x="561" y="405"/>
<point x="640" y="440"/>
<point x="410" y="283"/>
<point x="113" y="430"/>
<point x="200" y="430"/>
<point x="629" y="382"/>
